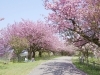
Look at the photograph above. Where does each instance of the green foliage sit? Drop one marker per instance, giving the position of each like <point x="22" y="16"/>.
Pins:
<point x="22" y="68"/>
<point x="89" y="69"/>
<point x="19" y="44"/>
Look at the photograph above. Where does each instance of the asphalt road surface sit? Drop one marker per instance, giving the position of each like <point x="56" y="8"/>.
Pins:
<point x="57" y="66"/>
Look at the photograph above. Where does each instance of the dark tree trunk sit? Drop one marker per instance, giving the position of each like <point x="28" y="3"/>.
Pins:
<point x="53" y="53"/>
<point x="48" y="53"/>
<point x="33" y="56"/>
<point x="18" y="56"/>
<point x="29" y="55"/>
<point x="40" y="54"/>
<point x="62" y="53"/>
<point x="93" y="39"/>
<point x="87" y="55"/>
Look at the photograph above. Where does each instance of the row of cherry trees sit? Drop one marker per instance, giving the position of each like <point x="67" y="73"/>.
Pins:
<point x="78" y="20"/>
<point x="33" y="36"/>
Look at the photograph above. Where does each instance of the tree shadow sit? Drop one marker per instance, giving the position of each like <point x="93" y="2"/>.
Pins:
<point x="60" y="68"/>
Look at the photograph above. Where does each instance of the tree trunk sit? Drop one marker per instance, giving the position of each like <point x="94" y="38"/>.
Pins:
<point x="40" y="54"/>
<point x="48" y="53"/>
<point x="33" y="55"/>
<point x="18" y="56"/>
<point x="29" y="55"/>
<point x="53" y="53"/>
<point x="87" y="55"/>
<point x="62" y="53"/>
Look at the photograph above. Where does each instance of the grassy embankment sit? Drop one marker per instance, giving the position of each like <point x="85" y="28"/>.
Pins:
<point x="89" y="69"/>
<point x="22" y="68"/>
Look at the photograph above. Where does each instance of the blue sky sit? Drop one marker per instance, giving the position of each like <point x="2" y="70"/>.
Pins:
<point x="14" y="10"/>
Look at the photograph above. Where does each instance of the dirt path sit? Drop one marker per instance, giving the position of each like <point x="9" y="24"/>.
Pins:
<point x="58" y="66"/>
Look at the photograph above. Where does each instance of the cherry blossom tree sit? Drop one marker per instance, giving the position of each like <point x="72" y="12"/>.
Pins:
<point x="18" y="44"/>
<point x="1" y="41"/>
<point x="77" y="20"/>
<point x="35" y="36"/>
<point x="38" y="34"/>
<point x="4" y="46"/>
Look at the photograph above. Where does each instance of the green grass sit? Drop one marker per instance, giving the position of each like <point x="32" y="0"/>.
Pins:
<point x="22" y="68"/>
<point x="89" y="69"/>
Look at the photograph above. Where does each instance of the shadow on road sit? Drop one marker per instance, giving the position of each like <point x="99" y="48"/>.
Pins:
<point x="60" y="68"/>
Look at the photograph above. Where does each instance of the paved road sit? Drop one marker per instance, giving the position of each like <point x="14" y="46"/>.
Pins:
<point x="57" y="66"/>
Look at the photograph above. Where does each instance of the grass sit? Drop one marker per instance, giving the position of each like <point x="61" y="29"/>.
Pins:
<point x="22" y="68"/>
<point x="89" y="69"/>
